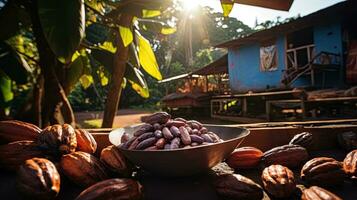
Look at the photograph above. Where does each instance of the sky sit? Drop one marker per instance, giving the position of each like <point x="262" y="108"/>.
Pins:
<point x="248" y="14"/>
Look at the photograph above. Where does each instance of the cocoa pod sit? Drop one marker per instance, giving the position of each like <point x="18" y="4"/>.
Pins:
<point x="159" y="117"/>
<point x="175" y="131"/>
<point x="85" y="141"/>
<point x="144" y="129"/>
<point x="322" y="171"/>
<point x="124" y="138"/>
<point x="118" y="189"/>
<point x="151" y="148"/>
<point x="58" y="139"/>
<point x="146" y="143"/>
<point x="235" y="186"/>
<point x="303" y="139"/>
<point x="244" y="158"/>
<point x="83" y="168"/>
<point x="167" y="133"/>
<point x="175" y="143"/>
<point x="146" y="136"/>
<point x="197" y="139"/>
<point x="38" y="178"/>
<point x="180" y="119"/>
<point x="115" y="161"/>
<point x="175" y="123"/>
<point x="160" y="144"/>
<point x="286" y="155"/>
<point x="134" y="144"/>
<point x="278" y="181"/>
<point x="203" y="130"/>
<point x="185" y="136"/>
<point x="13" y="130"/>
<point x="195" y="132"/>
<point x="14" y="154"/>
<point x="317" y="193"/>
<point x="350" y="163"/>
<point x="348" y="140"/>
<point x="207" y="138"/>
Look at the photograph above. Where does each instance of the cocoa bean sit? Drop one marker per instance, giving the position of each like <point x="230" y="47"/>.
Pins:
<point x="207" y="138"/>
<point x="159" y="117"/>
<point x="195" y="132"/>
<point x="197" y="139"/>
<point x="193" y="144"/>
<point x="167" y="133"/>
<point x="185" y="136"/>
<point x="180" y="119"/>
<point x="189" y="129"/>
<point x="146" y="136"/>
<point x="151" y="148"/>
<point x="194" y="124"/>
<point x="144" y="129"/>
<point x="158" y="134"/>
<point x="124" y="138"/>
<point x="127" y="144"/>
<point x="157" y="126"/>
<point x="214" y="136"/>
<point x="134" y="144"/>
<point x="160" y="144"/>
<point x="203" y="130"/>
<point x="146" y="143"/>
<point x="175" y="143"/>
<point x="167" y="146"/>
<point x="175" y="123"/>
<point x="175" y="131"/>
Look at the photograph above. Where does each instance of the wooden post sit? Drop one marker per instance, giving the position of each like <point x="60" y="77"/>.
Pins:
<point x="244" y="106"/>
<point x="268" y="110"/>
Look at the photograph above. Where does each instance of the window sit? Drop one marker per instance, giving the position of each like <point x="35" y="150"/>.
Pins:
<point x="268" y="58"/>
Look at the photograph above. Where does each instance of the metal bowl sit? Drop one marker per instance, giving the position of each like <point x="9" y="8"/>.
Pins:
<point x="183" y="162"/>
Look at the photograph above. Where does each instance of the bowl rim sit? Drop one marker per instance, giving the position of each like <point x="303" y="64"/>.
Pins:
<point x="245" y="132"/>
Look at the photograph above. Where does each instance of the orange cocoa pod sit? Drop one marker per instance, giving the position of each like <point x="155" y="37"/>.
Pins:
<point x="13" y="130"/>
<point x="115" y="161"/>
<point x="350" y="163"/>
<point x="85" y="141"/>
<point x="244" y="158"/>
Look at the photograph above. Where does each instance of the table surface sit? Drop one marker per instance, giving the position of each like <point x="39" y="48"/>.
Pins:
<point x="184" y="188"/>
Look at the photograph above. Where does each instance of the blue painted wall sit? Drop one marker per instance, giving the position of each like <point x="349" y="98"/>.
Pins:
<point x="244" y="68"/>
<point x="244" y="62"/>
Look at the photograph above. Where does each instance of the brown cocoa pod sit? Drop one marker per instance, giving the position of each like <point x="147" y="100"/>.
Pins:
<point x="175" y="143"/>
<point x="323" y="171"/>
<point x="13" y="130"/>
<point x="278" y="181"/>
<point x="175" y="123"/>
<point x="143" y="129"/>
<point x="83" y="168"/>
<point x="203" y="130"/>
<point x="244" y="158"/>
<point x="235" y="186"/>
<point x="160" y="144"/>
<point x="303" y="139"/>
<point x="185" y="136"/>
<point x="14" y="154"/>
<point x="317" y="193"/>
<point x="180" y="119"/>
<point x="350" y="163"/>
<point x="146" y="136"/>
<point x="113" y="189"/>
<point x="134" y="144"/>
<point x="151" y="148"/>
<point x="197" y="139"/>
<point x="124" y="138"/>
<point x="286" y="155"/>
<point x="85" y="141"/>
<point x="175" y="131"/>
<point x="146" y="143"/>
<point x="159" y="117"/>
<point x="58" y="139"/>
<point x="38" y="178"/>
<point x="348" y="140"/>
<point x="167" y="133"/>
<point x="207" y="138"/>
<point x="115" y="161"/>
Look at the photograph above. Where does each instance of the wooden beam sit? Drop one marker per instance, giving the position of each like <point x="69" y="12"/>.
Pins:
<point x="272" y="4"/>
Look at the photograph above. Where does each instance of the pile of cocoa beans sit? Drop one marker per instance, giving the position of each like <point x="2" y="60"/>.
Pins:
<point x="42" y="158"/>
<point x="277" y="177"/>
<point x="159" y="131"/>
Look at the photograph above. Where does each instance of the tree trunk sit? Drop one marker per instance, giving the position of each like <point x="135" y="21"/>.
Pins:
<point x="37" y="100"/>
<point x="115" y="88"/>
<point x="53" y="97"/>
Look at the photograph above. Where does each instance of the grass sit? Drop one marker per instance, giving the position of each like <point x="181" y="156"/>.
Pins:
<point x="92" y="123"/>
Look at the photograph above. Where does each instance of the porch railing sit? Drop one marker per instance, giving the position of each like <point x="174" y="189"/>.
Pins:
<point x="293" y="58"/>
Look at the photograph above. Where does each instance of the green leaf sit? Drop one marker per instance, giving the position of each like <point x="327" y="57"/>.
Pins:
<point x="86" y="80"/>
<point x="108" y="46"/>
<point x="168" y="30"/>
<point x="150" y="13"/>
<point x="74" y="72"/>
<point x="137" y="81"/>
<point x="126" y="35"/>
<point x="123" y="84"/>
<point x="147" y="57"/>
<point x="97" y="33"/>
<point x="13" y="65"/>
<point x="227" y="7"/>
<point x="103" y="79"/>
<point x="104" y="57"/>
<point x="63" y="25"/>
<point x="5" y="88"/>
